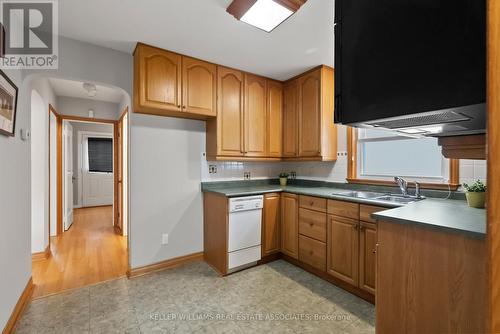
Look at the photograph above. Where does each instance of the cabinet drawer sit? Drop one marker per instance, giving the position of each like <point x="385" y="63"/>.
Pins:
<point x="312" y="203"/>
<point x="343" y="209"/>
<point x="312" y="224"/>
<point x="365" y="212"/>
<point x="312" y="252"/>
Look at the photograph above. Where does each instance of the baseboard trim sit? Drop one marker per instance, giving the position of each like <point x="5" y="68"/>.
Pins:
<point x="41" y="255"/>
<point x="171" y="263"/>
<point x="23" y="301"/>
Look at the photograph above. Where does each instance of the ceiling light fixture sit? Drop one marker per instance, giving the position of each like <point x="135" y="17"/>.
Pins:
<point x="264" y="14"/>
<point x="90" y="88"/>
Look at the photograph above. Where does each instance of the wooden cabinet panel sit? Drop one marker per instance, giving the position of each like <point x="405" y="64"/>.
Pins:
<point x="274" y="118"/>
<point x="312" y="252"/>
<point x="312" y="224"/>
<point x="199" y="87"/>
<point x="342" y="254"/>
<point x="159" y="79"/>
<point x="312" y="203"/>
<point x="289" y="225"/>
<point x="431" y="281"/>
<point x="255" y="116"/>
<point x="310" y="114"/>
<point x="367" y="256"/>
<point x="290" y="119"/>
<point x="343" y="209"/>
<point x="230" y="112"/>
<point x="365" y="212"/>
<point x="271" y="224"/>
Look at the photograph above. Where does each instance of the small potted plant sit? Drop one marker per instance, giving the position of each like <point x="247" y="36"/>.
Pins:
<point x="283" y="178"/>
<point x="475" y="194"/>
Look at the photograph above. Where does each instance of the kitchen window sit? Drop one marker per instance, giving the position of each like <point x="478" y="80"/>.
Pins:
<point x="376" y="156"/>
<point x="100" y="155"/>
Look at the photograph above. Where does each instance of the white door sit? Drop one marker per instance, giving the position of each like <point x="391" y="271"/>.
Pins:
<point x="68" y="175"/>
<point x="97" y="187"/>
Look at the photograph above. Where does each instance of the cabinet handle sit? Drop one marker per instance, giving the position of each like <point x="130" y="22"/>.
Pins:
<point x="355" y="226"/>
<point x="311" y="203"/>
<point x="374" y="251"/>
<point x="179" y="106"/>
<point x="311" y="224"/>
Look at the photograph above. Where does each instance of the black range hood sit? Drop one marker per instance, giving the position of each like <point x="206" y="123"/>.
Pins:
<point x="413" y="66"/>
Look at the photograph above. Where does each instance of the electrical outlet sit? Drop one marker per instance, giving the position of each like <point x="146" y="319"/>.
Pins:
<point x="293" y="175"/>
<point x="164" y="238"/>
<point x="246" y="175"/>
<point x="212" y="169"/>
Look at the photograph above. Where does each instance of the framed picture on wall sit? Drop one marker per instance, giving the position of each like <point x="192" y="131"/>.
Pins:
<point x="8" y="105"/>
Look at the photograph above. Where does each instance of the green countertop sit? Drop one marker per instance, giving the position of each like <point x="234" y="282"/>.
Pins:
<point x="444" y="214"/>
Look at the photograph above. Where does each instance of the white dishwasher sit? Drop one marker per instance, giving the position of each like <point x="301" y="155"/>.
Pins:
<point x="245" y="221"/>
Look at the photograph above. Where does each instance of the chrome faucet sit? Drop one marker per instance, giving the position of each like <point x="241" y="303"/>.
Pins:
<point x="403" y="185"/>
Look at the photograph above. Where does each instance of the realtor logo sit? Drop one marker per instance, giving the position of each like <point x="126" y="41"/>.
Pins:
<point x="30" y="34"/>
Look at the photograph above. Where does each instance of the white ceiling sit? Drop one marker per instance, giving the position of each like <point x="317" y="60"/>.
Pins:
<point x="203" y="29"/>
<point x="72" y="88"/>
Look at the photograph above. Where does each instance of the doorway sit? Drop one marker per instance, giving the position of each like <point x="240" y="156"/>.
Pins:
<point x="87" y="200"/>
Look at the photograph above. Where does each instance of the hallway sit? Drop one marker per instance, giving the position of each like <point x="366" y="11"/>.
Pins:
<point x="89" y="252"/>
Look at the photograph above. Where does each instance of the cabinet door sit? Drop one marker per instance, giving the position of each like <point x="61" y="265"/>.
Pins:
<point x="310" y="114"/>
<point x="367" y="256"/>
<point x="255" y="116"/>
<point x="159" y="78"/>
<point x="199" y="87"/>
<point x="289" y="225"/>
<point x="230" y="112"/>
<point x="290" y="119"/>
<point x="271" y="224"/>
<point x="274" y="118"/>
<point x="342" y="253"/>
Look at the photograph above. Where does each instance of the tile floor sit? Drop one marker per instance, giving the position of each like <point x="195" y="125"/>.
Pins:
<point x="193" y="299"/>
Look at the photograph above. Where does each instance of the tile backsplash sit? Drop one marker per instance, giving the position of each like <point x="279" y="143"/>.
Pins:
<point x="472" y="170"/>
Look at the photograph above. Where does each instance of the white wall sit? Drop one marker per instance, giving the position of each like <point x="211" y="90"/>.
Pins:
<point x="73" y="106"/>
<point x="53" y="174"/>
<point x="39" y="174"/>
<point x="79" y="127"/>
<point x="125" y="182"/>
<point x="15" y="222"/>
<point x="165" y="192"/>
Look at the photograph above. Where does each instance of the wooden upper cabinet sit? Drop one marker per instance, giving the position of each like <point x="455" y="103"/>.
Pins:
<point x="274" y="118"/>
<point x="255" y="116"/>
<point x="225" y="135"/>
<point x="290" y="119"/>
<point x="309" y="131"/>
<point x="342" y="249"/>
<point x="169" y="84"/>
<point x="199" y="92"/>
<point x="310" y="114"/>
<point x="290" y="225"/>
<point x="158" y="80"/>
<point x="271" y="224"/>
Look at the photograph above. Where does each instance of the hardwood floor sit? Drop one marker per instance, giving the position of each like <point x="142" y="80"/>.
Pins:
<point x="89" y="252"/>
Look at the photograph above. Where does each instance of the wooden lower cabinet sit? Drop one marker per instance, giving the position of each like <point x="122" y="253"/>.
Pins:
<point x="289" y="225"/>
<point x="343" y="248"/>
<point x="312" y="252"/>
<point x="367" y="256"/>
<point x="271" y="215"/>
<point x="430" y="280"/>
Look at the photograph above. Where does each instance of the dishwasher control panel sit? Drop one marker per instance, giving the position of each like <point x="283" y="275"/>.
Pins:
<point x="246" y="203"/>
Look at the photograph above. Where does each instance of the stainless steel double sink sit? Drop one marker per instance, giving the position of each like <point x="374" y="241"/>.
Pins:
<point x="379" y="197"/>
